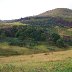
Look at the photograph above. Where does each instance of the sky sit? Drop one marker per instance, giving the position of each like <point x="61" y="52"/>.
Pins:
<point x="14" y="9"/>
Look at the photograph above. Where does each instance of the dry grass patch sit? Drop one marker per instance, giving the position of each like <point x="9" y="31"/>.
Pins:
<point x="51" y="56"/>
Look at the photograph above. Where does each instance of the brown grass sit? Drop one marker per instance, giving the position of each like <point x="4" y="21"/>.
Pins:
<point x="52" y="56"/>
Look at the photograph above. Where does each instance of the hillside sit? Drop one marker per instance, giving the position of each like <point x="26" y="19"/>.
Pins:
<point x="47" y="21"/>
<point x="55" y="17"/>
<point x="59" y="12"/>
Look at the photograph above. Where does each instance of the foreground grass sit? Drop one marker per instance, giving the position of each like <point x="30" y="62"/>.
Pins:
<point x="44" y="62"/>
<point x="59" y="66"/>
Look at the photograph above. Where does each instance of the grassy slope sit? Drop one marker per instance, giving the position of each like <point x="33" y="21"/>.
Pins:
<point x="45" y="62"/>
<point x="64" y="31"/>
<point x="6" y="25"/>
<point x="61" y="12"/>
<point x="7" y="50"/>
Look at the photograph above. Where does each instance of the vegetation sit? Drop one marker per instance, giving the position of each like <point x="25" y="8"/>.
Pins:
<point x="60" y="43"/>
<point x="29" y="36"/>
<point x="58" y="12"/>
<point x="37" y="44"/>
<point x="52" y="62"/>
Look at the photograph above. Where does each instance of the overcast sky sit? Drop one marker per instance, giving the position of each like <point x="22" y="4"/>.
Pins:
<point x="13" y="9"/>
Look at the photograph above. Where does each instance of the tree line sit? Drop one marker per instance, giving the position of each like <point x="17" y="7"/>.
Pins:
<point x="30" y="36"/>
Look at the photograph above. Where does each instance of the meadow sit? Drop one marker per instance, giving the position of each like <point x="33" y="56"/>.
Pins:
<point x="44" y="62"/>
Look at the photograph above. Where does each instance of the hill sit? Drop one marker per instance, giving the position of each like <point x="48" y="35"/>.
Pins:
<point x="61" y="12"/>
<point x="55" y="17"/>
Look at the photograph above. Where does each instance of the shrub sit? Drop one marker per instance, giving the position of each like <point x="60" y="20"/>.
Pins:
<point x="16" y="42"/>
<point x="60" y="43"/>
<point x="55" y="37"/>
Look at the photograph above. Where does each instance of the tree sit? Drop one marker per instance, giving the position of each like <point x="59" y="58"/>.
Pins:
<point x="60" y="43"/>
<point x="37" y="34"/>
<point x="55" y="37"/>
<point x="2" y="36"/>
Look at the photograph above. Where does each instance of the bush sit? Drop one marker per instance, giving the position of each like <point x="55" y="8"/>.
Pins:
<point x="55" y="37"/>
<point x="16" y="42"/>
<point x="60" y="43"/>
<point x="2" y="36"/>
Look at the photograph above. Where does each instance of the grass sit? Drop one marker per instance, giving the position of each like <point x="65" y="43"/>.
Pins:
<point x="38" y="67"/>
<point x="60" y="30"/>
<point x="7" y="25"/>
<point x="8" y="50"/>
<point x="15" y="23"/>
<point x="64" y="31"/>
<point x="52" y="62"/>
